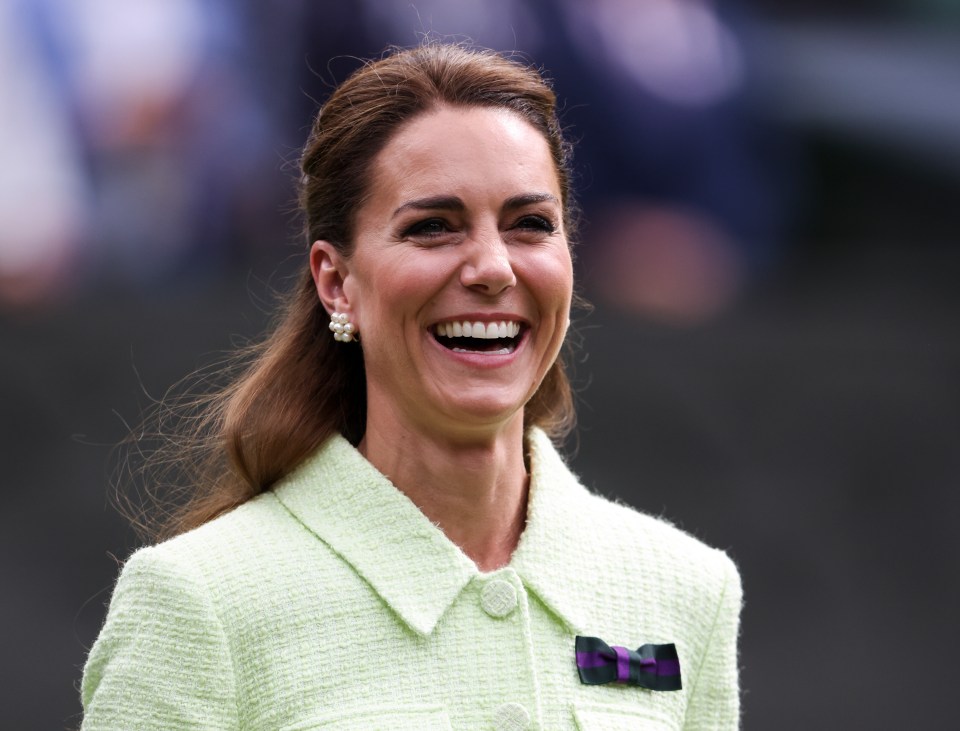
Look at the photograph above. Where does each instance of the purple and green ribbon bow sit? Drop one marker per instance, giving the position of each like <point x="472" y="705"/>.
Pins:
<point x="655" y="667"/>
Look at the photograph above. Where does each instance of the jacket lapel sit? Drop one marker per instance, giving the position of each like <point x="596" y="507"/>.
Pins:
<point x="340" y="497"/>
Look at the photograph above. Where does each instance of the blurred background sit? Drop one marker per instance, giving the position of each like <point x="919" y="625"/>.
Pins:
<point x="770" y="241"/>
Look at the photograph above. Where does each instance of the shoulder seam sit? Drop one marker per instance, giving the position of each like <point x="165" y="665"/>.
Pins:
<point x="713" y="625"/>
<point x="198" y="576"/>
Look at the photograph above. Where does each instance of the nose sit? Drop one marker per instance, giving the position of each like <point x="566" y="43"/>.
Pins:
<point x="487" y="267"/>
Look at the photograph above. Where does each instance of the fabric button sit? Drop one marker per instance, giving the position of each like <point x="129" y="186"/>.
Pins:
<point x="498" y="598"/>
<point x="511" y="717"/>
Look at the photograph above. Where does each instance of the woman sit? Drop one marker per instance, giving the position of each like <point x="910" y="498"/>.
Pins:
<point x="390" y="539"/>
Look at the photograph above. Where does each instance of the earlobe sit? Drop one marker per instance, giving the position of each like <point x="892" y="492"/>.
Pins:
<point x="329" y="271"/>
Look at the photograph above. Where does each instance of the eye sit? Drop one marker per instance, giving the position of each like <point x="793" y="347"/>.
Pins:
<point x="536" y="223"/>
<point x="428" y="227"/>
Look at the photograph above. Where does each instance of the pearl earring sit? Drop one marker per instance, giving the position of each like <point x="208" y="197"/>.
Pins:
<point x="343" y="329"/>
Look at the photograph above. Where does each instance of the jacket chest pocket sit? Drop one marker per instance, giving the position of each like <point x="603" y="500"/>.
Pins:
<point x="398" y="718"/>
<point x="597" y="717"/>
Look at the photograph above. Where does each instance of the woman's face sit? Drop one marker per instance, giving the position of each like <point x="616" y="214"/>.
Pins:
<point x="460" y="281"/>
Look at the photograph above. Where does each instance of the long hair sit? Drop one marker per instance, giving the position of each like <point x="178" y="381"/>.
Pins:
<point x="291" y="392"/>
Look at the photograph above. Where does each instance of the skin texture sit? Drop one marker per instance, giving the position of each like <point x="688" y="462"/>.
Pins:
<point x="463" y="222"/>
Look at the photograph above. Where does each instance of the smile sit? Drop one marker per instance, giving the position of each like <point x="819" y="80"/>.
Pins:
<point x="493" y="338"/>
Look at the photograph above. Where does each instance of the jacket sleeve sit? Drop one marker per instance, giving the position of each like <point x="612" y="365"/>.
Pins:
<point x="715" y="692"/>
<point x="162" y="660"/>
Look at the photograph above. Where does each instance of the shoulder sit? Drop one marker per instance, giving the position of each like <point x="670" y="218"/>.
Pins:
<point x="697" y="587"/>
<point x="668" y="547"/>
<point x="259" y="532"/>
<point x="617" y="535"/>
<point x="588" y="546"/>
<point x="250" y="530"/>
<point x="161" y="621"/>
<point x="658" y="559"/>
<point x="249" y="550"/>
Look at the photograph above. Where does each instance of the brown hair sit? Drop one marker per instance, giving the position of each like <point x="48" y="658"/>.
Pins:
<point x="297" y="388"/>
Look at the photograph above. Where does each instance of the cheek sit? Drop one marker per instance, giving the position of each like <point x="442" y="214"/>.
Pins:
<point x="552" y="278"/>
<point x="389" y="296"/>
<point x="559" y="278"/>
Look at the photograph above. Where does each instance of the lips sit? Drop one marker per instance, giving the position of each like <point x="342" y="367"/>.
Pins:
<point x="496" y="337"/>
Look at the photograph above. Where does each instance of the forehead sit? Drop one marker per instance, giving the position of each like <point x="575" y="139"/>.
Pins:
<point x="466" y="151"/>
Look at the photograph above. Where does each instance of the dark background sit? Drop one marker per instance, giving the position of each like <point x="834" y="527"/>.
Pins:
<point x="805" y="417"/>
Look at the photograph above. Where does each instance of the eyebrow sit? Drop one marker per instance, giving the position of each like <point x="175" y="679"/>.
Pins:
<point x="439" y="202"/>
<point x="453" y="203"/>
<point x="519" y="201"/>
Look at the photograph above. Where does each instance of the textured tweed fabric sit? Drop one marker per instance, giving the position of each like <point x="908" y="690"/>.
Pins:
<point x="331" y="602"/>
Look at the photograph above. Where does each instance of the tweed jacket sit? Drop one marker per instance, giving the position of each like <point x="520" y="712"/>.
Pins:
<point x="332" y="602"/>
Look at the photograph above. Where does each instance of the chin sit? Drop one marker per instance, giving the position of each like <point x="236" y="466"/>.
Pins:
<point x="479" y="413"/>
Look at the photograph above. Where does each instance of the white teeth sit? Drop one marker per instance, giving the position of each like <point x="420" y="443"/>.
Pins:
<point x="479" y="330"/>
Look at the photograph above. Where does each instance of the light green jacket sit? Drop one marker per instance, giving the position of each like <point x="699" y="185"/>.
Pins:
<point x="331" y="602"/>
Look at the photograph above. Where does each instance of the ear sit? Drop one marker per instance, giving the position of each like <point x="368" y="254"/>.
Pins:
<point x="330" y="271"/>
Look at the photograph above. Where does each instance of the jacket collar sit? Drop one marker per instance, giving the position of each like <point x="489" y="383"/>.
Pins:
<point x="560" y="549"/>
<point x="340" y="497"/>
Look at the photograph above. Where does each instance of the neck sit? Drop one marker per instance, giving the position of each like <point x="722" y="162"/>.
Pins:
<point x="474" y="489"/>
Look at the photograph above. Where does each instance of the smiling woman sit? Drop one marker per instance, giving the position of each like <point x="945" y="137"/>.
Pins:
<point x="383" y="534"/>
<point x="462" y="232"/>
